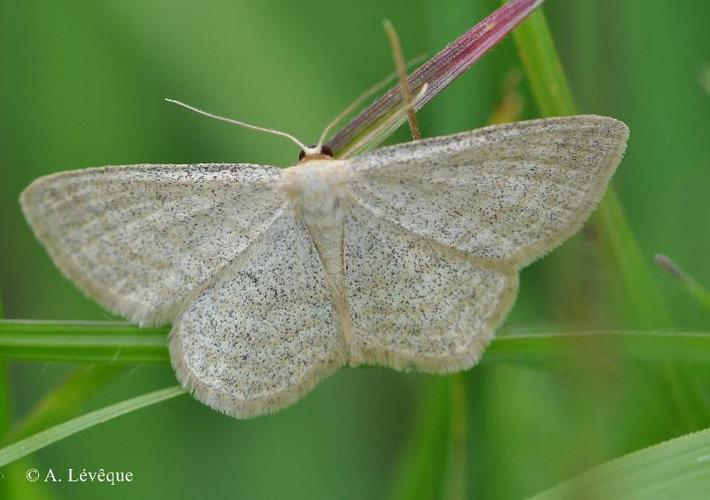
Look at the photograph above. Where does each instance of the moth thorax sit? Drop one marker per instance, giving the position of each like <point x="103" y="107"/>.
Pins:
<point x="322" y="213"/>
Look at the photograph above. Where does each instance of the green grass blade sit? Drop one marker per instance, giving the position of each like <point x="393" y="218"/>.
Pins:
<point x="545" y="74"/>
<point x="456" y="476"/>
<point x="61" y="404"/>
<point x="82" y="341"/>
<point x="435" y="462"/>
<point x="640" y="303"/>
<point x="678" y="468"/>
<point x="13" y="483"/>
<point x="67" y="400"/>
<point x="5" y="412"/>
<point x="76" y="341"/>
<point x="581" y="347"/>
<point x="637" y="302"/>
<point x="4" y="406"/>
<point x="643" y="304"/>
<point x="44" y="438"/>
<point x="421" y="474"/>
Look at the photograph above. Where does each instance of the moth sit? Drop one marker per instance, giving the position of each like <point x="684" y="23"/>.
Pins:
<point x="405" y="257"/>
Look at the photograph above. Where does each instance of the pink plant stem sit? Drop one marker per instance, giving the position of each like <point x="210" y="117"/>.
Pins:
<point x="443" y="68"/>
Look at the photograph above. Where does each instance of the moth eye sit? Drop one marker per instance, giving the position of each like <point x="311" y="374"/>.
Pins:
<point x="315" y="150"/>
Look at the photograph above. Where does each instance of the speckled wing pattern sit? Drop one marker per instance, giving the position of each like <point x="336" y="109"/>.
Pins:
<point x="416" y="304"/>
<point x="407" y="256"/>
<point x="143" y="239"/>
<point x="266" y="332"/>
<point x="454" y="218"/>
<point x="505" y="194"/>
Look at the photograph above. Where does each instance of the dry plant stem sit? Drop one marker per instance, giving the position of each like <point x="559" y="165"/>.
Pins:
<point x="365" y="95"/>
<point x="398" y="57"/>
<point x="691" y="286"/>
<point x="383" y="129"/>
<point x="440" y="70"/>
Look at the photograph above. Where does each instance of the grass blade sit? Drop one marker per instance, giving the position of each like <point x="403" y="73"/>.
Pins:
<point x="4" y="405"/>
<point x="638" y="302"/>
<point x="76" y="341"/>
<point x="576" y="348"/>
<point x="44" y="438"/>
<point x="82" y="341"/>
<point x="674" y="469"/>
<point x="642" y="301"/>
<point x="438" y="72"/>
<point x="67" y="400"/>
<point x="5" y="412"/>
<point x="421" y="474"/>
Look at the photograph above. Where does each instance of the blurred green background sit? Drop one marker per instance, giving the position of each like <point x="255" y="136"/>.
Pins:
<point x="82" y="83"/>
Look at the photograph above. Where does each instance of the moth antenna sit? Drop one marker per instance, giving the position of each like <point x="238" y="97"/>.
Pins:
<point x="358" y="101"/>
<point x="241" y="124"/>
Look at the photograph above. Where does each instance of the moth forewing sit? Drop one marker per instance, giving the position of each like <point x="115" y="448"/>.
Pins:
<point x="141" y="239"/>
<point x="505" y="193"/>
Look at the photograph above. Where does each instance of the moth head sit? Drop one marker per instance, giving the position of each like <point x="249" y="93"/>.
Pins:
<point x="315" y="152"/>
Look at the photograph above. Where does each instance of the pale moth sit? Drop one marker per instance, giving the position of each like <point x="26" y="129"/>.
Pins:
<point x="406" y="256"/>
